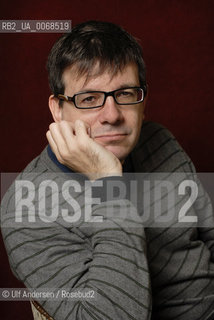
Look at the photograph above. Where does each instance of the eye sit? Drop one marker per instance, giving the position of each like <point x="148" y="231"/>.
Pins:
<point x="88" y="99"/>
<point x="125" y="93"/>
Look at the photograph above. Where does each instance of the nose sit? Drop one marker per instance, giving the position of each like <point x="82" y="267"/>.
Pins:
<point x="111" y="112"/>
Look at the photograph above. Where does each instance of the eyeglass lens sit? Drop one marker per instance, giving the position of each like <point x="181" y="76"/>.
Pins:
<point x="122" y="96"/>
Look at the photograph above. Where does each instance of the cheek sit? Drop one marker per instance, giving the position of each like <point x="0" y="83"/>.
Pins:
<point x="68" y="113"/>
<point x="135" y="123"/>
<point x="72" y="114"/>
<point x="134" y="120"/>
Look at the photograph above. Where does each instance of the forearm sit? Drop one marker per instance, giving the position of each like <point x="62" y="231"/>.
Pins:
<point x="119" y="269"/>
<point x="108" y="257"/>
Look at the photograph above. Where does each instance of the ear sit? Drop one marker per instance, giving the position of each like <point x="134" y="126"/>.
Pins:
<point x="147" y="94"/>
<point x="55" y="108"/>
<point x="145" y="99"/>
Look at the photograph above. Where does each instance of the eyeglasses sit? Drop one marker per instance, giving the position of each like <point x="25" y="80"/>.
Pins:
<point x="96" y="99"/>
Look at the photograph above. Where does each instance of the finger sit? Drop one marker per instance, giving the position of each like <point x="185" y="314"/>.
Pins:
<point x="61" y="134"/>
<point x="68" y="125"/>
<point x="56" y="134"/>
<point x="53" y="145"/>
<point x="67" y="132"/>
<point x="82" y="129"/>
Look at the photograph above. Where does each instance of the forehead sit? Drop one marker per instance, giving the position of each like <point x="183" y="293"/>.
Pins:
<point x="98" y="79"/>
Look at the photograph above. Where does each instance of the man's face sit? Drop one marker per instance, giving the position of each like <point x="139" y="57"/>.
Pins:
<point x="115" y="127"/>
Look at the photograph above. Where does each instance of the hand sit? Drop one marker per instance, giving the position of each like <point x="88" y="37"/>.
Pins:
<point x="74" y="148"/>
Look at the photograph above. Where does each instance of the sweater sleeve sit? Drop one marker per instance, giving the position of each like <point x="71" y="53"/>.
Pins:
<point x="180" y="256"/>
<point x="106" y="257"/>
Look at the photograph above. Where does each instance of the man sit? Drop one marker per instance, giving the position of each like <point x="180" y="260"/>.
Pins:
<point x="97" y="76"/>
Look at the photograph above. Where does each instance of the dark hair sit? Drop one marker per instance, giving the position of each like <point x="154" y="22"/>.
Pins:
<point x="91" y="42"/>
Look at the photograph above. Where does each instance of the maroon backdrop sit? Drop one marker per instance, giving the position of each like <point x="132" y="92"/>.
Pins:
<point x="177" y="40"/>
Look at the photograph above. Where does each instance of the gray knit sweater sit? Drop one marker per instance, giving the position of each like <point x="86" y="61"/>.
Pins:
<point x="137" y="271"/>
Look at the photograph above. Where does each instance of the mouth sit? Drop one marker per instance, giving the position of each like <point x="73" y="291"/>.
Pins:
<point x="111" y="137"/>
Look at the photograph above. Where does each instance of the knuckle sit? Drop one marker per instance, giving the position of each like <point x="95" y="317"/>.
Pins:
<point x="78" y="122"/>
<point x="63" y="123"/>
<point x="52" y="126"/>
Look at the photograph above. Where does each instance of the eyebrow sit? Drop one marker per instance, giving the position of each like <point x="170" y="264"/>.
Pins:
<point x="126" y="85"/>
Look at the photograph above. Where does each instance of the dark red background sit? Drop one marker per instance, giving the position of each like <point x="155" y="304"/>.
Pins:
<point x="178" y="45"/>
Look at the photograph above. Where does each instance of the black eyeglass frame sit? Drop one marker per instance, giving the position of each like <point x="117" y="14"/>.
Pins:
<point x="63" y="97"/>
